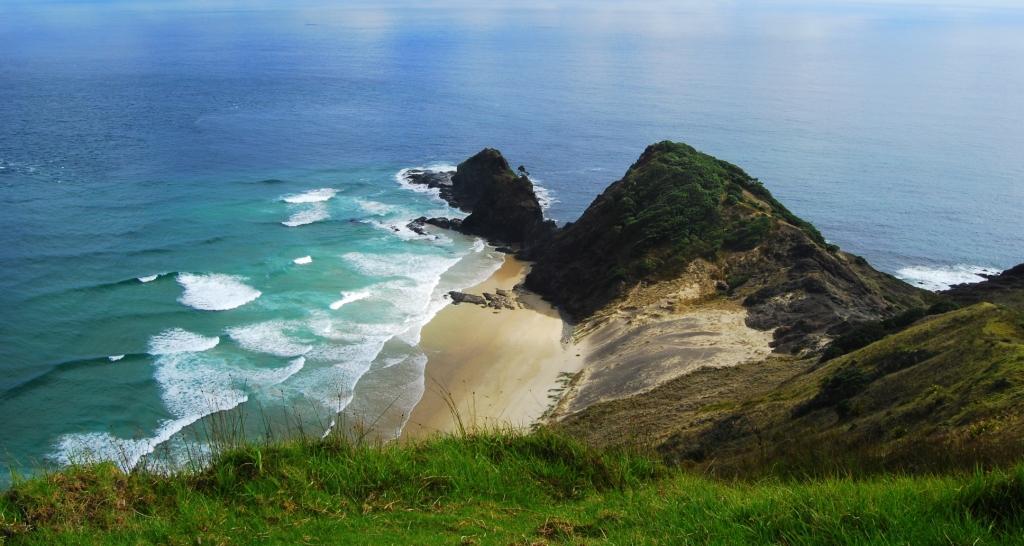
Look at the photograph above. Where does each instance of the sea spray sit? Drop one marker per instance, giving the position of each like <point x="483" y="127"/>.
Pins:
<point x="307" y="215"/>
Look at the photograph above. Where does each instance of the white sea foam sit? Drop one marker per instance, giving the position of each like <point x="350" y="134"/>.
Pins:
<point x="942" y="277"/>
<point x="441" y="167"/>
<point x="275" y="337"/>
<point x="308" y="215"/>
<point x="176" y="340"/>
<point x="373" y="207"/>
<point x="400" y="376"/>
<point x="215" y="292"/>
<point x="414" y="296"/>
<point x="544" y="196"/>
<point x="193" y="386"/>
<point x="311" y="196"/>
<point x="303" y="260"/>
<point x="343" y="360"/>
<point x="420" y="267"/>
<point x="349" y="297"/>
<point x="479" y="245"/>
<point x="407" y="301"/>
<point x="148" y="278"/>
<point x="115" y="358"/>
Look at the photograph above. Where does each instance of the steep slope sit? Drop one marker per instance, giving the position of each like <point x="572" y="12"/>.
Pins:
<point x="677" y="207"/>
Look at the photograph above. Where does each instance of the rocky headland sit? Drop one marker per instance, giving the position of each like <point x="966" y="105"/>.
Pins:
<point x="712" y="319"/>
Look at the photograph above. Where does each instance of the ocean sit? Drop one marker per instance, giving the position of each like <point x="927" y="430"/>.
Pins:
<point x="201" y="204"/>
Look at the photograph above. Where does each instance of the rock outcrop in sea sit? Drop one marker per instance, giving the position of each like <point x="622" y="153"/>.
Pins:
<point x="503" y="206"/>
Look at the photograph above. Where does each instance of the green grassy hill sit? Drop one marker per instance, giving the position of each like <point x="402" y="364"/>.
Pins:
<point x="506" y="488"/>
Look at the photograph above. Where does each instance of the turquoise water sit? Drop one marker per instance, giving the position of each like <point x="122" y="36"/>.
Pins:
<point x="312" y="280"/>
<point x="145" y="138"/>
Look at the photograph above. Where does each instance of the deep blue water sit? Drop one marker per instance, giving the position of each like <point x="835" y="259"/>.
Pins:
<point x="139" y="138"/>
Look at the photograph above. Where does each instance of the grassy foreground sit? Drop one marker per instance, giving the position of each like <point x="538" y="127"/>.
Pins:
<point x="500" y="488"/>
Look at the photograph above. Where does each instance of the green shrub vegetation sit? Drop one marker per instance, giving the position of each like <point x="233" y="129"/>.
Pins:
<point x="677" y="204"/>
<point x="496" y="488"/>
<point x="673" y="205"/>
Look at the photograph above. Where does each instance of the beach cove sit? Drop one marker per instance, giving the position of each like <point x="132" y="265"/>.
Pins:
<point x="492" y="368"/>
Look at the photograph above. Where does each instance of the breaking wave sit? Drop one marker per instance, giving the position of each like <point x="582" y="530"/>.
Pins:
<point x="215" y="291"/>
<point x="311" y="196"/>
<point x="349" y="297"/>
<point x="177" y="340"/>
<point x="309" y="215"/>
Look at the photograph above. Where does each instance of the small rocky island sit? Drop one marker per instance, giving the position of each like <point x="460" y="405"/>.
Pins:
<point x="503" y="206"/>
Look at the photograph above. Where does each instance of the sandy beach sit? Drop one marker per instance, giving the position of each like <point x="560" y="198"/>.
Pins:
<point x="495" y="367"/>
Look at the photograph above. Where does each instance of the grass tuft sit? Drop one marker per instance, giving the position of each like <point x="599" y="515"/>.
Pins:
<point x="996" y="496"/>
<point x="500" y="487"/>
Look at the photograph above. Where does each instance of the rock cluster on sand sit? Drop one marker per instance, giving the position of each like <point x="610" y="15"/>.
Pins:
<point x="502" y="299"/>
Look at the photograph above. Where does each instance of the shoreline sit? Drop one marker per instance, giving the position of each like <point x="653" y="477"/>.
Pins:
<point x="497" y="369"/>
